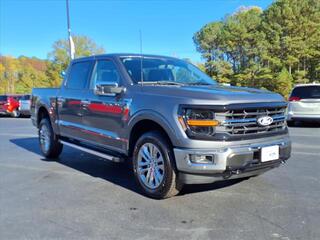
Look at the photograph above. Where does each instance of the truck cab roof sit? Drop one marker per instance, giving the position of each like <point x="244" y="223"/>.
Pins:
<point x="118" y="55"/>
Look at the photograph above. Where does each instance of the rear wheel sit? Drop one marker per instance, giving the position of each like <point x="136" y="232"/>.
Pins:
<point x="48" y="140"/>
<point x="153" y="166"/>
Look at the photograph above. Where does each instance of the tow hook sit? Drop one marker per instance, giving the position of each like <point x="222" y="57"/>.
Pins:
<point x="227" y="174"/>
<point x="237" y="172"/>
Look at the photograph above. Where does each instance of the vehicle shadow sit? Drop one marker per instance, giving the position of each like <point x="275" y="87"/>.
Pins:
<point x="300" y="124"/>
<point x="10" y="117"/>
<point x="119" y="174"/>
<point x="189" y="189"/>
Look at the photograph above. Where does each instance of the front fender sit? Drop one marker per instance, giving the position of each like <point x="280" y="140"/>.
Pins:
<point x="157" y="118"/>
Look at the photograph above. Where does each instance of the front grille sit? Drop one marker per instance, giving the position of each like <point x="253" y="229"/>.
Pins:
<point x="244" y="121"/>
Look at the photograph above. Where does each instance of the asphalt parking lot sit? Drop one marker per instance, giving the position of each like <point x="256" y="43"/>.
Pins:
<point x="82" y="197"/>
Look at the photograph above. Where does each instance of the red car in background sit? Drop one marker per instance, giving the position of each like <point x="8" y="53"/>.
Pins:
<point x="11" y="104"/>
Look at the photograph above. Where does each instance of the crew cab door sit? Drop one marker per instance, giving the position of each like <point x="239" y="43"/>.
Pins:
<point x="70" y="99"/>
<point x="104" y="115"/>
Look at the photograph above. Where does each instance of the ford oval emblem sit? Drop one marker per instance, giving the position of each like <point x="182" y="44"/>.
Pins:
<point x="265" y="121"/>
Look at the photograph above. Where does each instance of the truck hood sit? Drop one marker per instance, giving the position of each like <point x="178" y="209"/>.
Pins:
<point x="226" y="94"/>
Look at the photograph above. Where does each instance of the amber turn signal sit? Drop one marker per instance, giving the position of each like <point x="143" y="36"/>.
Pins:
<point x="202" y="123"/>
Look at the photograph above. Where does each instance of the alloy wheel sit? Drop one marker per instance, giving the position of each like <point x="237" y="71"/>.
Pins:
<point x="44" y="137"/>
<point x="150" y="165"/>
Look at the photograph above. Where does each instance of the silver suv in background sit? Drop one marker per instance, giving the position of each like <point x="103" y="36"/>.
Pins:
<point x="304" y="103"/>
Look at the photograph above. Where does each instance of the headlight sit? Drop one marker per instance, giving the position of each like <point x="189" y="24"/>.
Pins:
<point x="198" y="123"/>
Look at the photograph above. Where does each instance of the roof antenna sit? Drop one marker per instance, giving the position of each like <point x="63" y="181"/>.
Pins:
<point x="141" y="58"/>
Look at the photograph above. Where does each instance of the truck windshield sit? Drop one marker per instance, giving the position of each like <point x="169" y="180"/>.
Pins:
<point x="166" y="71"/>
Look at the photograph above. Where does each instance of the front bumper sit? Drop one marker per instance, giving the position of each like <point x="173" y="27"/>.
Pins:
<point x="229" y="162"/>
<point x="292" y="116"/>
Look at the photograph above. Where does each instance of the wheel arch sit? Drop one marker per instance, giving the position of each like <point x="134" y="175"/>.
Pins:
<point x="42" y="113"/>
<point x="148" y="121"/>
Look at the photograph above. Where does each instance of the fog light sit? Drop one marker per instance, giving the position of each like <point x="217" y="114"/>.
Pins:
<point x="204" y="159"/>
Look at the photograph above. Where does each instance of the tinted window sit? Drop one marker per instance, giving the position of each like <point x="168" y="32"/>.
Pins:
<point x="3" y="98"/>
<point x="105" y="71"/>
<point x="79" y="74"/>
<point x="164" y="69"/>
<point x="306" y="92"/>
<point x="25" y="97"/>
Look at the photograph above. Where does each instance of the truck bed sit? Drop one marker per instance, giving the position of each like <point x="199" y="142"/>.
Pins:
<point x="42" y="96"/>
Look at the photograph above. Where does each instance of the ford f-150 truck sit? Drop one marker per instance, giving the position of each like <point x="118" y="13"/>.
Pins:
<point x="174" y="123"/>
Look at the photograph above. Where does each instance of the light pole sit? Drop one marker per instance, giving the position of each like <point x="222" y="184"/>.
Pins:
<point x="71" y="43"/>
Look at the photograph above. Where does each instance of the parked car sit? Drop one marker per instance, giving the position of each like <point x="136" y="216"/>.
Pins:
<point x="24" y="105"/>
<point x="170" y="120"/>
<point x="304" y="103"/>
<point x="9" y="105"/>
<point x="15" y="105"/>
<point x="3" y="102"/>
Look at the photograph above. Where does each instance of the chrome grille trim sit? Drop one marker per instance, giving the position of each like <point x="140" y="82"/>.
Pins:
<point x="252" y="113"/>
<point x="276" y="118"/>
<point x="244" y="122"/>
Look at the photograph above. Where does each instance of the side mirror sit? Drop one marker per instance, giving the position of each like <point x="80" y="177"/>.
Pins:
<point x="108" y="89"/>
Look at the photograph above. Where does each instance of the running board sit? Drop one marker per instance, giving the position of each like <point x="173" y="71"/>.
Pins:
<point x="94" y="152"/>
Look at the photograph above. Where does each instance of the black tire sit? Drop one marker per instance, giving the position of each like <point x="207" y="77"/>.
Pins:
<point x="170" y="185"/>
<point x="16" y="113"/>
<point x="54" y="147"/>
<point x="291" y="123"/>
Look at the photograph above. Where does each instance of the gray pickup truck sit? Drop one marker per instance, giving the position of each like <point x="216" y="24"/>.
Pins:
<point x="172" y="122"/>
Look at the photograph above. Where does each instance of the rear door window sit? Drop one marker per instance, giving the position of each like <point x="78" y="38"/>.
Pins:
<point x="79" y="74"/>
<point x="304" y="92"/>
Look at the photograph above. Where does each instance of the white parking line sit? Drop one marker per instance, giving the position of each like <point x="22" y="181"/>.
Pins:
<point x="15" y="166"/>
<point x="303" y="135"/>
<point x="18" y="135"/>
<point x="306" y="153"/>
<point x="300" y="145"/>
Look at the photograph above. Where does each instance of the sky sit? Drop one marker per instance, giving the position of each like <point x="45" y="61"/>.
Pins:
<point x="29" y="27"/>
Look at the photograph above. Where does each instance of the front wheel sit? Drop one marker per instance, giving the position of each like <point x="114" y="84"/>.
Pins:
<point x="48" y="140"/>
<point x="153" y="166"/>
<point x="16" y="113"/>
<point x="291" y="123"/>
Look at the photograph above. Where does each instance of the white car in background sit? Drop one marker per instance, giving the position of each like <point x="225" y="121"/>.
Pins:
<point x="304" y="103"/>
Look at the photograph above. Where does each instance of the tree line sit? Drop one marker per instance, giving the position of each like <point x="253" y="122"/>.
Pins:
<point x="273" y="49"/>
<point x="20" y="75"/>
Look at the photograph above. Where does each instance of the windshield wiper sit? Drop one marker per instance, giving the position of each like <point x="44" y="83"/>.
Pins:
<point x="161" y="83"/>
<point x="199" y="83"/>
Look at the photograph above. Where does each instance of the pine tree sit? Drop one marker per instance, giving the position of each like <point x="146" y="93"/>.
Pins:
<point x="283" y="83"/>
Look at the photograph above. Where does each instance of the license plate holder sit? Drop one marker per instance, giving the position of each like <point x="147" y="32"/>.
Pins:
<point x="269" y="153"/>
